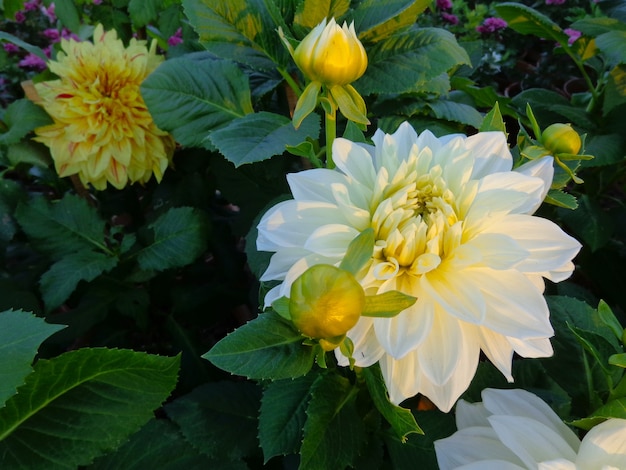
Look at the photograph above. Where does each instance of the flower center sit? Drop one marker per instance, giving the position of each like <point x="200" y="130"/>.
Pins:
<point x="416" y="223"/>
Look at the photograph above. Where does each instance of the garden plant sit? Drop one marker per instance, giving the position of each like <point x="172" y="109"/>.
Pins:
<point x="312" y="234"/>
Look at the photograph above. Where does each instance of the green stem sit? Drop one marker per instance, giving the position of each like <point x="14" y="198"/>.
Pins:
<point x="289" y="79"/>
<point x="586" y="78"/>
<point x="331" y="134"/>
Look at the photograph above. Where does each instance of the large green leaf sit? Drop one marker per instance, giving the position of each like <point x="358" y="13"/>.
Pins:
<point x="67" y="12"/>
<point x="401" y="420"/>
<point x="333" y="433"/>
<point x="590" y="222"/>
<point x="21" y="117"/>
<point x="283" y="414"/>
<point x="21" y="333"/>
<point x="262" y="135"/>
<point x="58" y="283"/>
<point x="264" y="348"/>
<point x="243" y="30"/>
<point x="403" y="62"/>
<point x="63" y="227"/>
<point x="310" y="13"/>
<point x="613" y="409"/>
<point x="615" y="91"/>
<point x="219" y="419"/>
<point x="81" y="404"/>
<point x="143" y="12"/>
<point x="180" y="236"/>
<point x="159" y="444"/>
<point x="526" y="20"/>
<point x="194" y="95"/>
<point x="456" y="112"/>
<point x="613" y="45"/>
<point x="375" y="20"/>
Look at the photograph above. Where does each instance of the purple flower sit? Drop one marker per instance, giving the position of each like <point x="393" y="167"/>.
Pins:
<point x="444" y="4"/>
<point x="52" y="34"/>
<point x="97" y="2"/>
<point x="491" y="25"/>
<point x="555" y="2"/>
<point x="31" y="5"/>
<point x="176" y="39"/>
<point x="20" y="17"/>
<point x="49" y="13"/>
<point x="573" y="35"/>
<point x="450" y="18"/>
<point x="11" y="48"/>
<point x="67" y="34"/>
<point x="32" y="61"/>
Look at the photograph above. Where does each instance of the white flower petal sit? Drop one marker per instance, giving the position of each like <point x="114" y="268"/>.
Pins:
<point x="550" y="249"/>
<point x="471" y="414"/>
<point x="536" y="347"/>
<point x="470" y="446"/>
<point x="290" y="223"/>
<point x="355" y="161"/>
<point x="557" y="464"/>
<point x="367" y="349"/>
<point x="401" y="376"/>
<point x="498" y="251"/>
<point x="491" y="465"/>
<point x="530" y="440"/>
<point x="604" y="446"/>
<point x="541" y="168"/>
<point x="532" y="188"/>
<point x="492" y="153"/>
<point x="281" y="262"/>
<point x="528" y="405"/>
<point x="315" y="184"/>
<point x="498" y="350"/>
<point x="331" y="240"/>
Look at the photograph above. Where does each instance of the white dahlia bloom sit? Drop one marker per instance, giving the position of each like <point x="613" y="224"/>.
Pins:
<point x="516" y="430"/>
<point x="453" y="228"/>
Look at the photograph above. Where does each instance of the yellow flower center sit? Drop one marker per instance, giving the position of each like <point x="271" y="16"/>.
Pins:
<point x="416" y="221"/>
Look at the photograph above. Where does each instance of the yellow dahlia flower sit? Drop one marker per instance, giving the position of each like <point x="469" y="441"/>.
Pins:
<point x="454" y="228"/>
<point x="102" y="130"/>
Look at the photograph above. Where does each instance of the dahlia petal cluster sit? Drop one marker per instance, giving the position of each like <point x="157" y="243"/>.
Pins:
<point x="102" y="130"/>
<point x="454" y="228"/>
<point x="516" y="430"/>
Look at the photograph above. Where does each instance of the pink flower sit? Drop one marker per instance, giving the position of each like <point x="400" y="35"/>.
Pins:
<point x="97" y="2"/>
<point x="450" y="18"/>
<point x="491" y="25"/>
<point x="444" y="4"/>
<point x="49" y="13"/>
<point x="573" y="35"/>
<point x="10" y="48"/>
<point x="555" y="2"/>
<point x="32" y="5"/>
<point x="32" y="61"/>
<point x="52" y="34"/>
<point x="20" y="17"/>
<point x="176" y="39"/>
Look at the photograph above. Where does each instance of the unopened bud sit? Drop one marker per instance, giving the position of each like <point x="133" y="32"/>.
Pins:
<point x="561" y="138"/>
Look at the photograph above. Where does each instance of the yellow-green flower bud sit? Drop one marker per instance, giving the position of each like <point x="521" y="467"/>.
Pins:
<point x="325" y="302"/>
<point x="331" y="55"/>
<point x="561" y="138"/>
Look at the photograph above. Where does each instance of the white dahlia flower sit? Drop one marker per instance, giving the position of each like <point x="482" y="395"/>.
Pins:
<point x="516" y="430"/>
<point x="453" y="228"/>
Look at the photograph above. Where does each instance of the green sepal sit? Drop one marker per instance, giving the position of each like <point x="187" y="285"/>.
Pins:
<point x="533" y="121"/>
<point x="387" y="304"/>
<point x="350" y="103"/>
<point x="534" y="152"/>
<point x="609" y="319"/>
<point x="347" y="349"/>
<point x="359" y="252"/>
<point x="281" y="306"/>
<point x="306" y="103"/>
<point x="575" y="156"/>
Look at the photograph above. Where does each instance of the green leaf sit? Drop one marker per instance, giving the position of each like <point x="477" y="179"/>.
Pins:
<point x="590" y="223"/>
<point x="359" y="252"/>
<point x="526" y="20"/>
<point x="613" y="409"/>
<point x="219" y="419"/>
<point x="609" y="319"/>
<point x="81" y="404"/>
<point x="310" y="13"/>
<point x="615" y="91"/>
<point x="456" y="112"/>
<point x="618" y="360"/>
<point x="558" y="198"/>
<point x="403" y="62"/>
<point x="350" y="103"/>
<point x="333" y="432"/>
<point x="58" y="283"/>
<point x="63" y="227"/>
<point x="613" y="46"/>
<point x="493" y="121"/>
<point x="283" y="414"/>
<point x="21" y="333"/>
<point x="598" y="346"/>
<point x="242" y="29"/>
<point x="180" y="236"/>
<point x="21" y="117"/>
<point x="306" y="103"/>
<point x="375" y="20"/>
<point x="260" y="136"/>
<point x="144" y="12"/>
<point x="29" y="153"/>
<point x="24" y="45"/>
<point x="401" y="420"/>
<point x="281" y="306"/>
<point x="264" y="348"/>
<point x="191" y="107"/>
<point x="67" y="13"/>
<point x="387" y="305"/>
<point x="158" y="444"/>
